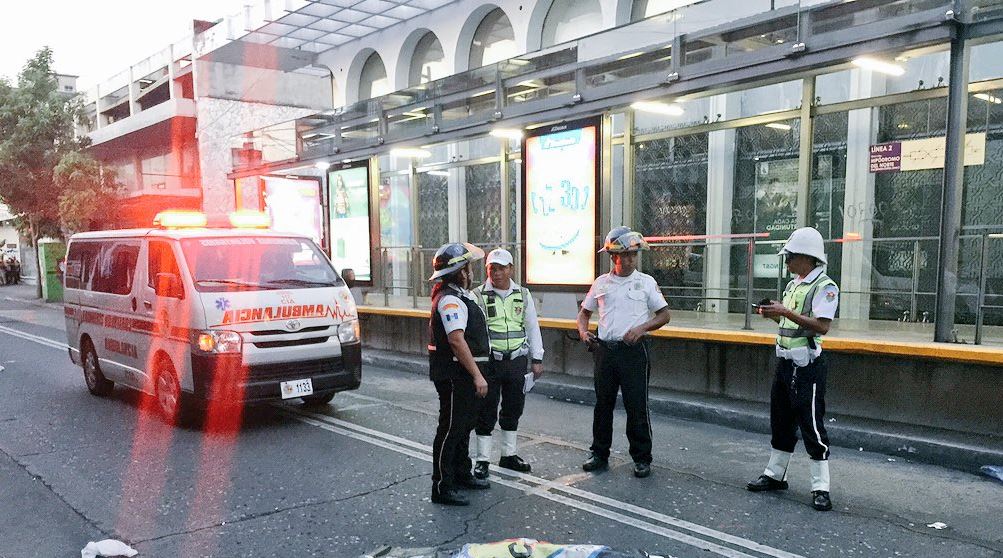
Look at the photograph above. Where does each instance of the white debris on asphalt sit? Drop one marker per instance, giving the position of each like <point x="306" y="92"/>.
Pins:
<point x="891" y="459"/>
<point x="107" y="547"/>
<point x="861" y="449"/>
<point x="938" y="525"/>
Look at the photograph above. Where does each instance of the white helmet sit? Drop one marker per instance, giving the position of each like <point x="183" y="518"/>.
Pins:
<point x="806" y="241"/>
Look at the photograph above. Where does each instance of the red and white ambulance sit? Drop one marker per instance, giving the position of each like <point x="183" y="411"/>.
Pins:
<point x="196" y="315"/>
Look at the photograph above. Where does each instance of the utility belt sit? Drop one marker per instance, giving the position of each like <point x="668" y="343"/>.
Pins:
<point x="618" y="345"/>
<point x="509" y="355"/>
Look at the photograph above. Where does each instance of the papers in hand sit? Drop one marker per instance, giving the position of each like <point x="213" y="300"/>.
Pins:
<point x="528" y="383"/>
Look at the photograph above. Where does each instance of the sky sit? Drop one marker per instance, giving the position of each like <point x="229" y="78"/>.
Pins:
<point x="96" y="39"/>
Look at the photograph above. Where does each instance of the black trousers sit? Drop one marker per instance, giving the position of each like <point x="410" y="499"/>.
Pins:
<point x="623" y="368"/>
<point x="458" y="406"/>
<point x="797" y="401"/>
<point x="505" y="380"/>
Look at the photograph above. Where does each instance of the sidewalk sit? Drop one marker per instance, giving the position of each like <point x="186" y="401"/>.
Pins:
<point x="957" y="450"/>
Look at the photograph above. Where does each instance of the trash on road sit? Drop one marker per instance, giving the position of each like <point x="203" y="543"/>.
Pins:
<point x="891" y="459"/>
<point x="937" y="525"/>
<point x="994" y="471"/>
<point x="107" y="547"/>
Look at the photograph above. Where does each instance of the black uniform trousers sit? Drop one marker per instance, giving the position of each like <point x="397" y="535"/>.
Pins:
<point x="625" y="368"/>
<point x="797" y="401"/>
<point x="458" y="406"/>
<point x="505" y="381"/>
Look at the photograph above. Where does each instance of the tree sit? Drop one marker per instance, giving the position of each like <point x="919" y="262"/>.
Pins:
<point x="36" y="131"/>
<point x="87" y="193"/>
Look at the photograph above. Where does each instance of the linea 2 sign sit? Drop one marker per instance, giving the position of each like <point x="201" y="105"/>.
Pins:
<point x="923" y="154"/>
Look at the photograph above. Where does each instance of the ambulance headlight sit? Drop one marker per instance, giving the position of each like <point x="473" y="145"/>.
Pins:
<point x="214" y="341"/>
<point x="349" y="332"/>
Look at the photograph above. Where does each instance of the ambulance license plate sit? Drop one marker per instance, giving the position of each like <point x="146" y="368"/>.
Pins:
<point x="296" y="388"/>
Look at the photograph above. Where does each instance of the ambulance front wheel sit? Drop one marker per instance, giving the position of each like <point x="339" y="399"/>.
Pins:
<point x="167" y="391"/>
<point x="318" y="400"/>
<point x="97" y="384"/>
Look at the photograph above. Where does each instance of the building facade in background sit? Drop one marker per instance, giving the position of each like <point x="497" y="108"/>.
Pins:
<point x="715" y="127"/>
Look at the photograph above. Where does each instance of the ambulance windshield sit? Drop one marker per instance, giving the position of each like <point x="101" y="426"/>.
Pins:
<point x="257" y="263"/>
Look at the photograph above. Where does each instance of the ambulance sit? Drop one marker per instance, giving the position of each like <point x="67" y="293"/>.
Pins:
<point x="196" y="315"/>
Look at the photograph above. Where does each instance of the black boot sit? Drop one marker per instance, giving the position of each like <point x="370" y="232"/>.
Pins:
<point x="471" y="482"/>
<point x="820" y="500"/>
<point x="765" y="483"/>
<point x="513" y="462"/>
<point x="481" y="470"/>
<point x="595" y="463"/>
<point x="449" y="498"/>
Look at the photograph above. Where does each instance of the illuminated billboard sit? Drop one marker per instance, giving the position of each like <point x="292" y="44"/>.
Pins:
<point x="294" y="206"/>
<point x="348" y="205"/>
<point x="560" y="193"/>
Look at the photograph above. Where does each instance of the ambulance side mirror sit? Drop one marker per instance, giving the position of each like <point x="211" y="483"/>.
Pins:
<point x="168" y="285"/>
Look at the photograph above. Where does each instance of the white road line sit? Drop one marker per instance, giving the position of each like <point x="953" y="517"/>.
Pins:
<point x="619" y="518"/>
<point x="36" y="338"/>
<point x="540" y="487"/>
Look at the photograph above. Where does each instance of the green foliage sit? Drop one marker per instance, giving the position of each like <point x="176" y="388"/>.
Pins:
<point x="87" y="193"/>
<point x="36" y="132"/>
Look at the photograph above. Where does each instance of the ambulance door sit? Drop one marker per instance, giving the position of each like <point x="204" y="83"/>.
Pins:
<point x="113" y="298"/>
<point x="164" y="307"/>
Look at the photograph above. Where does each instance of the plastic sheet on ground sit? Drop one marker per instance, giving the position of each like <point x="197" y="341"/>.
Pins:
<point x="107" y="547"/>
<point x="531" y="548"/>
<point x="992" y="471"/>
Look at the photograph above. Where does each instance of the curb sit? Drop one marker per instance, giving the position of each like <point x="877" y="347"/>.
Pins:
<point x="910" y="443"/>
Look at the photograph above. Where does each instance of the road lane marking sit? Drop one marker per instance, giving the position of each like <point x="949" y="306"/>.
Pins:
<point x="543" y="487"/>
<point x="619" y="518"/>
<point x="525" y="483"/>
<point x="36" y="338"/>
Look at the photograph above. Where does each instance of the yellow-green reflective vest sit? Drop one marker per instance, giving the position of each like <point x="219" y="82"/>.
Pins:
<point x="506" y="318"/>
<point x="799" y="297"/>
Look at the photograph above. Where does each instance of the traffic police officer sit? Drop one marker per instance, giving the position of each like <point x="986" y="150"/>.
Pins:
<point x="514" y="333"/>
<point x="630" y="305"/>
<point x="457" y="352"/>
<point x="797" y="399"/>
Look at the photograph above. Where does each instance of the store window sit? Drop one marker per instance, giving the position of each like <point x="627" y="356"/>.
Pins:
<point x="373" y="80"/>
<point x="568" y="20"/>
<point x="670" y="199"/>
<point x="428" y="61"/>
<point x="494" y="40"/>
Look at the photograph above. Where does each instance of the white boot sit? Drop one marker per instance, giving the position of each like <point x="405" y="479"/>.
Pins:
<point x="509" y="440"/>
<point x="820" y="476"/>
<point x="776" y="469"/>
<point x="483" y="448"/>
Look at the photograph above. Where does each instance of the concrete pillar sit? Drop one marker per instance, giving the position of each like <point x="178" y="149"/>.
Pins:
<point x="858" y="204"/>
<point x="133" y="93"/>
<point x="720" y="192"/>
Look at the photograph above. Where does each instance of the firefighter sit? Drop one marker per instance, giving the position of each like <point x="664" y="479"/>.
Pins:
<point x="797" y="399"/>
<point x="515" y="338"/>
<point x="457" y="355"/>
<point x="630" y="305"/>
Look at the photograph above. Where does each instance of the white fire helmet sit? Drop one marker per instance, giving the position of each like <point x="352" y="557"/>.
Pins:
<point x="806" y="241"/>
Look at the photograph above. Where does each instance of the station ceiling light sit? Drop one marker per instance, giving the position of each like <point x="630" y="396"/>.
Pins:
<point x="989" y="98"/>
<point x="778" y="126"/>
<point x="412" y="152"/>
<point x="439" y="173"/>
<point x="876" y="65"/>
<point x="658" y="108"/>
<point x="507" y="133"/>
<point x="322" y="165"/>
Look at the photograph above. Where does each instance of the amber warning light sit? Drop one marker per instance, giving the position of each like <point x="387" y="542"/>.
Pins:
<point x="245" y="219"/>
<point x="174" y="219"/>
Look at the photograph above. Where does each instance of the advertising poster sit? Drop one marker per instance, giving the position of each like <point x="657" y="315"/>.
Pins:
<point x="349" y="206"/>
<point x="560" y="205"/>
<point x="294" y="206"/>
<point x="776" y="205"/>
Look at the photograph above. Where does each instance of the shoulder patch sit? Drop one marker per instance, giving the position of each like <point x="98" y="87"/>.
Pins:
<point x="830" y="294"/>
<point x="451" y="306"/>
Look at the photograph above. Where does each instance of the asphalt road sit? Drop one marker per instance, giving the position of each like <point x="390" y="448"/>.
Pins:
<point x="355" y="475"/>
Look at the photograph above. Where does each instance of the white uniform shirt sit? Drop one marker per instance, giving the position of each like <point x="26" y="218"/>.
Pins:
<point x="532" y="323"/>
<point x="823" y="305"/>
<point x="453" y="311"/>
<point x="623" y="302"/>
